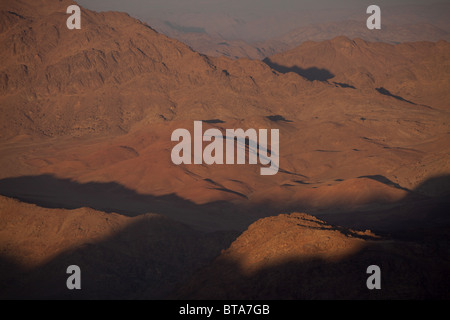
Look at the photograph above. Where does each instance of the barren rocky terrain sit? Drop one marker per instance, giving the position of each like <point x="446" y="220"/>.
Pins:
<point x="86" y="175"/>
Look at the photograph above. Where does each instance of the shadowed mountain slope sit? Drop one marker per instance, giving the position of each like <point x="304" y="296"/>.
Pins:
<point x="85" y="139"/>
<point x="416" y="72"/>
<point x="297" y="256"/>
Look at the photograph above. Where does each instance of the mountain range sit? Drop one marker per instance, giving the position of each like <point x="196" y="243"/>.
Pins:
<point x="86" y="174"/>
<point x="260" y="36"/>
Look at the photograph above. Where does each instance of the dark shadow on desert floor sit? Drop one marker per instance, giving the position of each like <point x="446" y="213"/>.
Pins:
<point x="386" y="92"/>
<point x="176" y="264"/>
<point x="312" y="74"/>
<point x="407" y="272"/>
<point x="425" y="208"/>
<point x="344" y="85"/>
<point x="156" y="259"/>
<point x="386" y="181"/>
<point x="49" y="191"/>
<point x="278" y="118"/>
<point x="426" y="205"/>
<point x="415" y="263"/>
<point x="146" y="259"/>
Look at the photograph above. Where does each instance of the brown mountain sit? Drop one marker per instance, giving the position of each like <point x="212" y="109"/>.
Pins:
<point x="216" y="45"/>
<point x="87" y="118"/>
<point x="416" y="72"/>
<point x="120" y="257"/>
<point x="298" y="256"/>
<point x="390" y="33"/>
<point x="254" y="31"/>
<point x="57" y="81"/>
<point x="124" y="88"/>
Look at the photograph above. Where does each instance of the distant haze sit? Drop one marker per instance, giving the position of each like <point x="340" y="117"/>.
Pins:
<point x="244" y="7"/>
<point x="255" y="20"/>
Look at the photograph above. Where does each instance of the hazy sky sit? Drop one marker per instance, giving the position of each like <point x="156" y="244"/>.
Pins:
<point x="232" y="6"/>
<point x="281" y="15"/>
